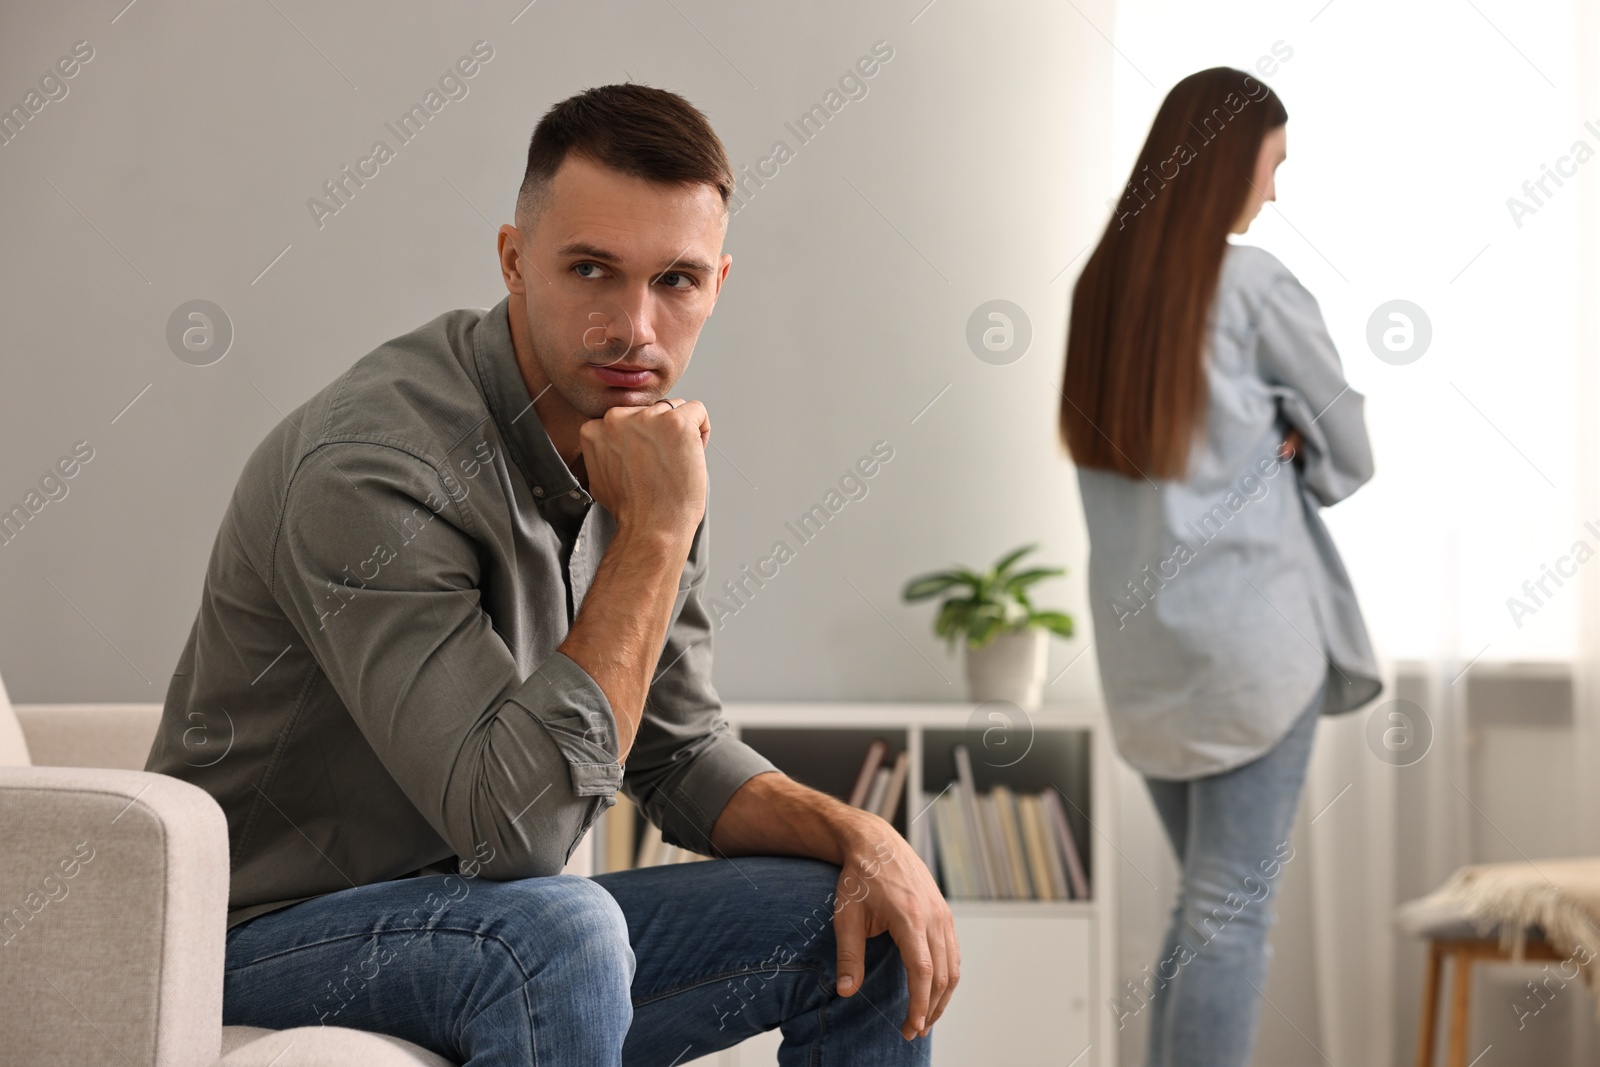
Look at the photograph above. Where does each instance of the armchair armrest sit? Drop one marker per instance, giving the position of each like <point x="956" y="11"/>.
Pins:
<point x="113" y="911"/>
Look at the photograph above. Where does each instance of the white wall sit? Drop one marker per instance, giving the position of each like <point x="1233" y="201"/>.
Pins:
<point x="974" y="169"/>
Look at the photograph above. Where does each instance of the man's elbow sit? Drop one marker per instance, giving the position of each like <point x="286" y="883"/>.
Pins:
<point x="538" y="862"/>
<point x="534" y="846"/>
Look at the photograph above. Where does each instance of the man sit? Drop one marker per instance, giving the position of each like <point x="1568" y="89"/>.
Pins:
<point x="456" y="602"/>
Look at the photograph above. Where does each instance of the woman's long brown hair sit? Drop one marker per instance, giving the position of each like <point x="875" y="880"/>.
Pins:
<point x="1134" y="393"/>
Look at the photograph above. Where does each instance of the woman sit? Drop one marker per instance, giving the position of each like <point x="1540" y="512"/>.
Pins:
<point x="1209" y="419"/>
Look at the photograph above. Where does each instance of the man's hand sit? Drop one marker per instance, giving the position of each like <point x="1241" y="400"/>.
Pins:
<point x="885" y="886"/>
<point x="647" y="466"/>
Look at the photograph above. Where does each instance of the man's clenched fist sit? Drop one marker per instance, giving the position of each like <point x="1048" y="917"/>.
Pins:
<point x="647" y="465"/>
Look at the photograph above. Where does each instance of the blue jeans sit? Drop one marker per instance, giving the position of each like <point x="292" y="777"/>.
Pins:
<point x="656" y="966"/>
<point x="1231" y="834"/>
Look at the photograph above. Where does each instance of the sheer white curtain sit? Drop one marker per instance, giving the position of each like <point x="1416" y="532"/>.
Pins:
<point x="1586" y="393"/>
<point x="1412" y="128"/>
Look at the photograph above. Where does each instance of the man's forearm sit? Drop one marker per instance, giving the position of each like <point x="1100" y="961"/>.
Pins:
<point x="620" y="628"/>
<point x="772" y="814"/>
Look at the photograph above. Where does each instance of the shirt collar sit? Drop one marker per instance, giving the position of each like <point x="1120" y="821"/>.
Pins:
<point x="547" y="473"/>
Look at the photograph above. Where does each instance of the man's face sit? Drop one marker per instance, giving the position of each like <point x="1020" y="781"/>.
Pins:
<point x="617" y="275"/>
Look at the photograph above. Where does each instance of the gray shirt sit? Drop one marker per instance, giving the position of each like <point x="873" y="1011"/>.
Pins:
<point x="372" y="689"/>
<point x="1220" y="603"/>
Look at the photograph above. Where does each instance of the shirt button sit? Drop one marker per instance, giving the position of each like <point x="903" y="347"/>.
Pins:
<point x="538" y="490"/>
<point x="576" y="494"/>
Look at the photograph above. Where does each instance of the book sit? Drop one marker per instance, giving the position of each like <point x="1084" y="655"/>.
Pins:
<point x="954" y="868"/>
<point x="1038" y="877"/>
<point x="994" y="837"/>
<point x="1058" y="862"/>
<point x="1049" y="878"/>
<point x="980" y="862"/>
<point x="1069" y="848"/>
<point x="617" y="843"/>
<point x="1005" y="808"/>
<point x="875" y="792"/>
<point x="940" y="856"/>
<point x="869" y="767"/>
<point x="922" y="832"/>
<point x="897" y="786"/>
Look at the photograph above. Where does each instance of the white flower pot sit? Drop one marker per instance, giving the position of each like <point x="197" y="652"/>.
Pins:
<point x="1011" y="667"/>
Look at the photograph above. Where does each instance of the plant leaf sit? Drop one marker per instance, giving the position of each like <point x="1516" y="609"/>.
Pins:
<point x="1011" y="557"/>
<point x="982" y="605"/>
<point x="1058" y="623"/>
<point x="952" y="617"/>
<point x="982" y="630"/>
<point x="1022" y="579"/>
<point x="931" y="585"/>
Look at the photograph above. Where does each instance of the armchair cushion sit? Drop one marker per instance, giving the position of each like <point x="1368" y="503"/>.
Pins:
<point x="320" y="1046"/>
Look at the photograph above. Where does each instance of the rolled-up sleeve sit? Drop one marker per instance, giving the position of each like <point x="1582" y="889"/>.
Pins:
<point x="379" y="571"/>
<point x="686" y="764"/>
<point x="1299" y="362"/>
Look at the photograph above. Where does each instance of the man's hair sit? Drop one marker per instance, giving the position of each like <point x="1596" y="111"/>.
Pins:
<point x="634" y="129"/>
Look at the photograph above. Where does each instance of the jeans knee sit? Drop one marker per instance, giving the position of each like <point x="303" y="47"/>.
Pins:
<point x="565" y="930"/>
<point x="1224" y="911"/>
<point x="586" y="923"/>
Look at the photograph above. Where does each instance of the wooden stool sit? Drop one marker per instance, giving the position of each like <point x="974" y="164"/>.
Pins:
<point x="1464" y="951"/>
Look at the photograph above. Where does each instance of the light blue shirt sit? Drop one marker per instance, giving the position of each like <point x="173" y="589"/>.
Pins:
<point x="1220" y="603"/>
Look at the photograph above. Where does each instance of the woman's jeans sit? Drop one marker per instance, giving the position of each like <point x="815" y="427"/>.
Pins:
<point x="655" y="966"/>
<point x="1231" y="834"/>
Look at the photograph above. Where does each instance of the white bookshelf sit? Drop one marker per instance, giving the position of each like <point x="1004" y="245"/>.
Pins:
<point x="1036" y="975"/>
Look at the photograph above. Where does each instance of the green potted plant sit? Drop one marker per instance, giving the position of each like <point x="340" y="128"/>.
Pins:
<point x="1005" y="633"/>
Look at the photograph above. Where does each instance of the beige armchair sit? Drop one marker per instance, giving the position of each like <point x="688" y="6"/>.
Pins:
<point x="113" y="909"/>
